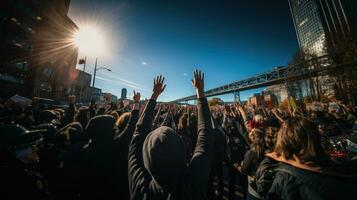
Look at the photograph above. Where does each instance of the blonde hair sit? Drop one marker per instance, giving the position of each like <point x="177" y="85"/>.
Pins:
<point x="116" y="116"/>
<point x="123" y="120"/>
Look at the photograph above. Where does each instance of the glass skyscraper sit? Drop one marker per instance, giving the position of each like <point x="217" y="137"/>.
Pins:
<point x="321" y="22"/>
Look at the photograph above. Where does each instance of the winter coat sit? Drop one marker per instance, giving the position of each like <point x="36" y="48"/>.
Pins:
<point x="157" y="161"/>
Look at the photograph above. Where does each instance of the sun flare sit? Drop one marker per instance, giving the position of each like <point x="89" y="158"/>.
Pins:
<point x="90" y="40"/>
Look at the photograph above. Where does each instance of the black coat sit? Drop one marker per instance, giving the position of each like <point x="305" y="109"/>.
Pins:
<point x="19" y="181"/>
<point x="193" y="184"/>
<point x="295" y="183"/>
<point x="98" y="170"/>
<point x="122" y="142"/>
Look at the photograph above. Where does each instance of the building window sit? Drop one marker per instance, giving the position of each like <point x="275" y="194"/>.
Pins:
<point x="303" y="22"/>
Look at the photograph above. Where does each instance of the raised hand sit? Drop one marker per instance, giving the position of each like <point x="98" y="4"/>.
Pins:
<point x="136" y="97"/>
<point x="159" y="87"/>
<point x="198" y="83"/>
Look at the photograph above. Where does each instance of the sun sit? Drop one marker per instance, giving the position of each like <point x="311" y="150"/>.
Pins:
<point x="90" y="41"/>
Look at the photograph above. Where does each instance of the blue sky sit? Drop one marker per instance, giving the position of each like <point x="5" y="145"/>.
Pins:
<point x="228" y="40"/>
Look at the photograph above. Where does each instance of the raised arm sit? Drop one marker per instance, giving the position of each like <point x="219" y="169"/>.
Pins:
<point x="126" y="135"/>
<point x="70" y="112"/>
<point x="157" y="116"/>
<point x="200" y="165"/>
<point x="138" y="176"/>
<point x="244" y="116"/>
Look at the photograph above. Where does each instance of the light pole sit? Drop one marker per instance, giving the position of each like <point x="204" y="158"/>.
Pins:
<point x="96" y="69"/>
<point x="84" y="62"/>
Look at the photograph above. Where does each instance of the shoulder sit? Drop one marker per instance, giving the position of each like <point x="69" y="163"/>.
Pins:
<point x="251" y="155"/>
<point x="284" y="183"/>
<point x="291" y="180"/>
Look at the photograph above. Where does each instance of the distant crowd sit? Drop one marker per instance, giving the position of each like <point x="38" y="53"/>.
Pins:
<point x="146" y="150"/>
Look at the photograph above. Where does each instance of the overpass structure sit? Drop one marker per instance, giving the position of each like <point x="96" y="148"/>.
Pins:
<point x="279" y="75"/>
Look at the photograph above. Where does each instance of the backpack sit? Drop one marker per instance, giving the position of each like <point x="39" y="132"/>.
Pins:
<point x="235" y="149"/>
<point x="265" y="175"/>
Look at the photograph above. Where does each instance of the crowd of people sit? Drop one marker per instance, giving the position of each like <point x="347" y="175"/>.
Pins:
<point x="150" y="150"/>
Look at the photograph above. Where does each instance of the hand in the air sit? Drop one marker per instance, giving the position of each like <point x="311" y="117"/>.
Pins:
<point x="159" y="87"/>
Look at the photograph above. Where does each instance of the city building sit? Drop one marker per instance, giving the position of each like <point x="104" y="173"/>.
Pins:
<point x="256" y="100"/>
<point x="36" y="55"/>
<point x="280" y="92"/>
<point x="322" y="22"/>
<point x="96" y="94"/>
<point x="270" y="100"/>
<point x="80" y="86"/>
<point x="113" y="98"/>
<point x="123" y="94"/>
<point x="264" y="99"/>
<point x="322" y="27"/>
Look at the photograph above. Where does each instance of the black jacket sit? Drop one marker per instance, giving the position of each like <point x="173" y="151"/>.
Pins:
<point x="19" y="181"/>
<point x="122" y="142"/>
<point x="294" y="183"/>
<point x="68" y="115"/>
<point x="98" y="170"/>
<point x="193" y="184"/>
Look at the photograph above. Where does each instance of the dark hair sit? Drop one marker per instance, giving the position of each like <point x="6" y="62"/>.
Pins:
<point x="270" y="138"/>
<point x="298" y="136"/>
<point x="82" y="116"/>
<point x="258" y="143"/>
<point x="101" y="111"/>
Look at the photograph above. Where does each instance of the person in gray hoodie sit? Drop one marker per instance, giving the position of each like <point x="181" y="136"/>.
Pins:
<point x="157" y="159"/>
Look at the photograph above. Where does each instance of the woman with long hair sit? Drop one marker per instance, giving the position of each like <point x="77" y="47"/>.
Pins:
<point x="251" y="161"/>
<point x="306" y="172"/>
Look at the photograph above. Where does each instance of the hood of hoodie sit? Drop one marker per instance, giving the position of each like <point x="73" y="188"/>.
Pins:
<point x="164" y="156"/>
<point x="100" y="129"/>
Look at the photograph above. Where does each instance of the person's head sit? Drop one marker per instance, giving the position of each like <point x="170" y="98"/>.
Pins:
<point x="49" y="132"/>
<point x="270" y="138"/>
<point x="164" y="156"/>
<point x="101" y="111"/>
<point x="120" y="104"/>
<point x="100" y="129"/>
<point x="113" y="106"/>
<point x="19" y="143"/>
<point x="71" y="134"/>
<point x="257" y="138"/>
<point x="47" y="116"/>
<point x="123" y="121"/>
<point x="299" y="137"/>
<point x="60" y="112"/>
<point x="82" y="116"/>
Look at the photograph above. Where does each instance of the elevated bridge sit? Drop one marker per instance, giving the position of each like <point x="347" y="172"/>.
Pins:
<point x="309" y="68"/>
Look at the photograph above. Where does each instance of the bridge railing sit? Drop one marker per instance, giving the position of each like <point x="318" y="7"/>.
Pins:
<point x="272" y="77"/>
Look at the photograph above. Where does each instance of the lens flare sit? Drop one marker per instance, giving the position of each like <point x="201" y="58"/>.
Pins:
<point x="90" y="41"/>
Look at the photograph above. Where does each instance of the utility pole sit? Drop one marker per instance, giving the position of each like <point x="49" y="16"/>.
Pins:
<point x="95" y="71"/>
<point x="84" y="65"/>
<point x="236" y="96"/>
<point x="82" y="78"/>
